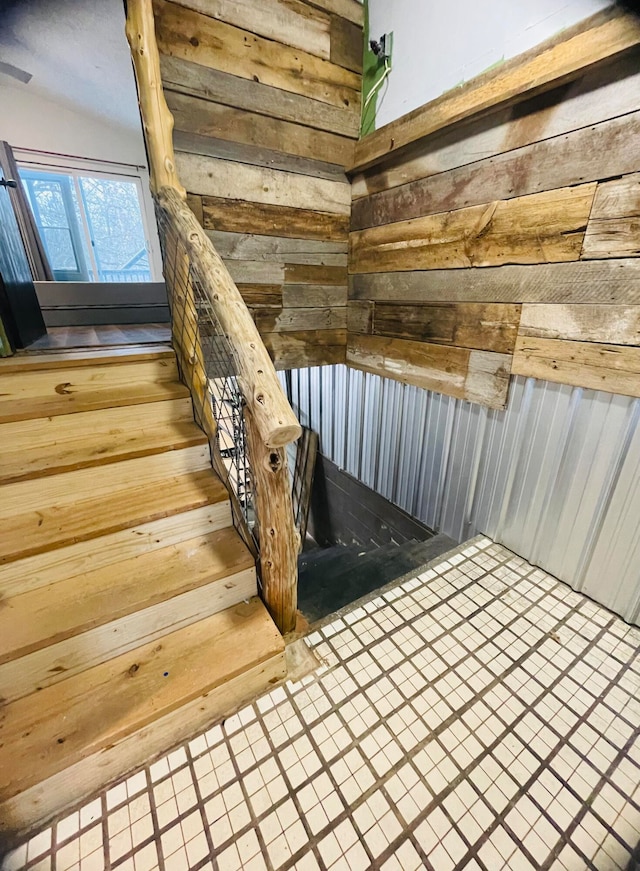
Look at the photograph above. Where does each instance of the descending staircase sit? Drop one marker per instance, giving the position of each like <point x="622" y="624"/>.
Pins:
<point x="334" y="577"/>
<point x="128" y="609"/>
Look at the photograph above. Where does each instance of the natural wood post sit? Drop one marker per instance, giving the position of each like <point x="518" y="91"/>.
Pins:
<point x="157" y="120"/>
<point x="279" y="540"/>
<point x="275" y="421"/>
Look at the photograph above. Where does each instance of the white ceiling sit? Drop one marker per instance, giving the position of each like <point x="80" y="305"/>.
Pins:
<point x="77" y="53"/>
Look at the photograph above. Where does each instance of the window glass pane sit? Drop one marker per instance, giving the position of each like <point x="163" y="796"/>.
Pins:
<point x="117" y="232"/>
<point x="55" y="206"/>
<point x="57" y="241"/>
<point x="48" y="195"/>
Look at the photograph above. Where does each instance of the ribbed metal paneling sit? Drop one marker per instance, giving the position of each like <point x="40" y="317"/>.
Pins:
<point x="555" y="477"/>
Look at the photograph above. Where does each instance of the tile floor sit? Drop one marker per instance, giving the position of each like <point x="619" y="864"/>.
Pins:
<point x="479" y="716"/>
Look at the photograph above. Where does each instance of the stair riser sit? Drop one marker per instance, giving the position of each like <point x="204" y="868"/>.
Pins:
<point x="60" y="661"/>
<point x="67" y="562"/>
<point x="35" y="806"/>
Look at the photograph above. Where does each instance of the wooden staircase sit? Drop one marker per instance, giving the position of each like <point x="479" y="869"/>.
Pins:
<point x="128" y="610"/>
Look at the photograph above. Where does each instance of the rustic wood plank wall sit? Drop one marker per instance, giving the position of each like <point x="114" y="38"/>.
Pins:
<point x="506" y="244"/>
<point x="266" y="102"/>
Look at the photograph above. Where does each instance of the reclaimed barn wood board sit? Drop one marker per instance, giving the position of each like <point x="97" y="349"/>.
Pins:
<point x="262" y="295"/>
<point x="247" y="246"/>
<point x="613" y="281"/>
<point x="278" y="272"/>
<point x="347" y="44"/>
<point x="296" y="274"/>
<point x="297" y="259"/>
<point x="306" y="348"/>
<point x="194" y="201"/>
<point x="195" y="37"/>
<point x="239" y="216"/>
<point x="546" y="227"/>
<point x="293" y="296"/>
<point x="352" y="10"/>
<point x="432" y="367"/>
<point x="289" y="320"/>
<point x="359" y="316"/>
<point x="613" y="368"/>
<point x="618" y="199"/>
<point x="223" y="149"/>
<point x="595" y="41"/>
<point x="312" y="296"/>
<point x="488" y="379"/>
<point x="290" y="22"/>
<point x="478" y="376"/>
<point x="255" y="272"/>
<point x="614" y="226"/>
<point x="614" y="324"/>
<point x="485" y="327"/>
<point x="194" y="80"/>
<point x="228" y="180"/>
<point x="597" y="96"/>
<point x="586" y="155"/>
<point x="612" y="237"/>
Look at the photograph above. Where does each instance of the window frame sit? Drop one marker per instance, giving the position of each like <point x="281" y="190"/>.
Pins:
<point x="76" y="167"/>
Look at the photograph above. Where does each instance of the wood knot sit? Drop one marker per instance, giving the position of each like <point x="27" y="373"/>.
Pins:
<point x="134" y="668"/>
<point x="275" y="461"/>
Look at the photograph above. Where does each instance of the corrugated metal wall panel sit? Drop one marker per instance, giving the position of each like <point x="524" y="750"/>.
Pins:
<point x="555" y="477"/>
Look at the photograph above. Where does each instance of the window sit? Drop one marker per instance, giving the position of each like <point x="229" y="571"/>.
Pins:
<point x="92" y="226"/>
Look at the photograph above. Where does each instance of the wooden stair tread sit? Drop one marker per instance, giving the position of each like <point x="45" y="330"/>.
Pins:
<point x="73" y="357"/>
<point x="47" y="446"/>
<point x="44" y="513"/>
<point x="48" y="731"/>
<point x="50" y="614"/>
<point x="44" y="392"/>
<point x="56" y="565"/>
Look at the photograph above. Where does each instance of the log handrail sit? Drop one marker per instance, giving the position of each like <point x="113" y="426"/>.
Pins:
<point x="262" y="391"/>
<point x="205" y="302"/>
<point x="274" y="418"/>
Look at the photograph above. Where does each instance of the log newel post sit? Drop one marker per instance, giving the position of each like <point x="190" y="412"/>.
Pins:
<point x="278" y="538"/>
<point x="157" y="120"/>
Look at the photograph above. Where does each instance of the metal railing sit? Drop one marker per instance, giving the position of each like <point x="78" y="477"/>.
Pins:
<point x="205" y="352"/>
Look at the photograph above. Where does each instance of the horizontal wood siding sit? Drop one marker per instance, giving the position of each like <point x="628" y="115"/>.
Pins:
<point x="266" y="103"/>
<point x="515" y="237"/>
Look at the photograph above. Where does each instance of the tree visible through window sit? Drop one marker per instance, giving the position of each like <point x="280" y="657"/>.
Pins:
<point x="91" y="226"/>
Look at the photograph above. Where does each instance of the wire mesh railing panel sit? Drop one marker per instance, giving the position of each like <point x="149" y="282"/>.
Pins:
<point x="206" y="361"/>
